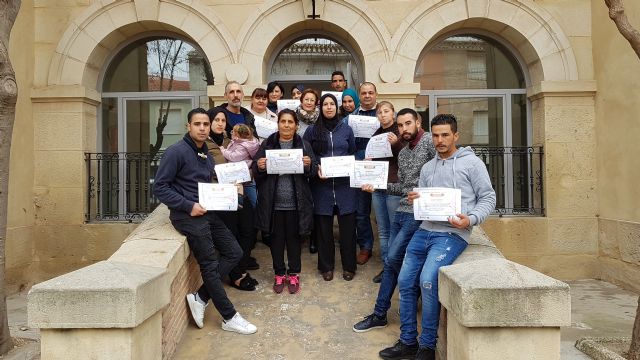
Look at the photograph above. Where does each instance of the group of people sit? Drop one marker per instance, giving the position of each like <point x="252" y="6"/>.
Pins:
<point x="286" y="208"/>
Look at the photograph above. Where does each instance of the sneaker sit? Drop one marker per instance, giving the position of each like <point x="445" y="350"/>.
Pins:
<point x="370" y="322"/>
<point x="425" y="353"/>
<point x="399" y="351"/>
<point x="238" y="324"/>
<point x="197" y="310"/>
<point x="294" y="283"/>
<point x="363" y="256"/>
<point x="278" y="283"/>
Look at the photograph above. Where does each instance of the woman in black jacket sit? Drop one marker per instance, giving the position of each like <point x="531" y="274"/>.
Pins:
<point x="285" y="205"/>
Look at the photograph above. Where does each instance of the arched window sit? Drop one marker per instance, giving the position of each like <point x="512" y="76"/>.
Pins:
<point x="310" y="60"/>
<point x="148" y="88"/>
<point x="480" y="80"/>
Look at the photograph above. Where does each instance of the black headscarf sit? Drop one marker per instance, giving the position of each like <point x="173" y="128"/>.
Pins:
<point x="217" y="138"/>
<point x="323" y="126"/>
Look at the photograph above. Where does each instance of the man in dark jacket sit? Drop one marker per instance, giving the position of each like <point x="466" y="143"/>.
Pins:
<point x="183" y="166"/>
<point x="236" y="114"/>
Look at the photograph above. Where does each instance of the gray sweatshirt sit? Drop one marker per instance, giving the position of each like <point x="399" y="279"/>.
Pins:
<point x="464" y="171"/>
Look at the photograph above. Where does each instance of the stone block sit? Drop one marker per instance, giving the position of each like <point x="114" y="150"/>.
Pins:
<point x="143" y="342"/>
<point x="608" y="238"/>
<point x="58" y="131"/>
<point x="59" y="205"/>
<point x="59" y="168"/>
<point x="70" y="74"/>
<point x="620" y="272"/>
<point x="453" y="12"/>
<point x="122" y="14"/>
<point x="103" y="295"/>
<point x="629" y="241"/>
<point x="568" y="196"/>
<point x="471" y="343"/>
<point x="582" y="47"/>
<point x="501" y="293"/>
<point x="518" y="235"/>
<point x="565" y="267"/>
<point x="571" y="124"/>
<point x="169" y="13"/>
<point x="167" y="254"/>
<point x="147" y="10"/>
<point x="574" y="235"/>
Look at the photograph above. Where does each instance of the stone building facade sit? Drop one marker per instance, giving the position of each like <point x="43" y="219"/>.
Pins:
<point x="575" y="95"/>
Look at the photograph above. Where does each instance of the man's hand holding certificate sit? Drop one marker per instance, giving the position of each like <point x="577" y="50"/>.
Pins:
<point x="285" y="161"/>
<point x="337" y="166"/>
<point x="372" y="173"/>
<point x="437" y="204"/>
<point x="378" y="147"/>
<point x="218" y="197"/>
<point x="232" y="173"/>
<point x="363" y="126"/>
<point x="265" y="127"/>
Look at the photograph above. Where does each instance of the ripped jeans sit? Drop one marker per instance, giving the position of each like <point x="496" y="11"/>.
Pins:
<point x="426" y="253"/>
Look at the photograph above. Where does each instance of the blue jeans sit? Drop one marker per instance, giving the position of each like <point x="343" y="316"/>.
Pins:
<point x="426" y="253"/>
<point x="403" y="228"/>
<point x="251" y="193"/>
<point x="385" y="208"/>
<point x="364" y="232"/>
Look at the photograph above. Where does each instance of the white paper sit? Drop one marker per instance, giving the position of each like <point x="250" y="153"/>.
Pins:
<point x="232" y="173"/>
<point x="370" y="173"/>
<point x="337" y="94"/>
<point x="337" y="166"/>
<point x="218" y="197"/>
<point x="437" y="204"/>
<point x="285" y="161"/>
<point x="363" y="126"/>
<point x="378" y="147"/>
<point x="288" y="104"/>
<point x="265" y="127"/>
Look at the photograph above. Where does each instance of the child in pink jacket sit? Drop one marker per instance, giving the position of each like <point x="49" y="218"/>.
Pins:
<point x="243" y="145"/>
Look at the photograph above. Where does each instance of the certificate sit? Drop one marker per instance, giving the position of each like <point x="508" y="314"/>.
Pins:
<point x="265" y="127"/>
<point x="379" y="147"/>
<point x="288" y="104"/>
<point x="363" y="126"/>
<point x="337" y="94"/>
<point x="437" y="204"/>
<point x="285" y="161"/>
<point x="337" y="166"/>
<point x="370" y="172"/>
<point x="233" y="173"/>
<point x="218" y="196"/>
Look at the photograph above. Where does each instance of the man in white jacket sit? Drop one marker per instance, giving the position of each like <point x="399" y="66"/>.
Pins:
<point x="439" y="243"/>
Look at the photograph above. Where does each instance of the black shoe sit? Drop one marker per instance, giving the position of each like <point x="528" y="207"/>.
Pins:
<point x="252" y="264"/>
<point x="378" y="278"/>
<point x="425" y="353"/>
<point x="312" y="248"/>
<point x="399" y="351"/>
<point x="370" y="322"/>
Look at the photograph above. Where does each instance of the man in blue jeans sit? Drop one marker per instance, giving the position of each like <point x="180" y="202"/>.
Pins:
<point x="411" y="158"/>
<point x="439" y="243"/>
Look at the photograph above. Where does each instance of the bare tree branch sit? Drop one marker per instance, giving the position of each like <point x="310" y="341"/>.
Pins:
<point x="616" y="13"/>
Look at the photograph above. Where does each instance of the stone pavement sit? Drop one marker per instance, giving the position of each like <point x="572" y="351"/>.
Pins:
<point x="316" y="323"/>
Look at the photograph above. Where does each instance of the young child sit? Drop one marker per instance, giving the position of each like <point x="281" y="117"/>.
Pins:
<point x="243" y="145"/>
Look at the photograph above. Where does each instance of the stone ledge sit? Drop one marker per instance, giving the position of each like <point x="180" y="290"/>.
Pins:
<point x="603" y="348"/>
<point x="500" y="293"/>
<point x="104" y="295"/>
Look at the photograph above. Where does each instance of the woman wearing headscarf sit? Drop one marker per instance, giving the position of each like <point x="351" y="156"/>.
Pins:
<point x="333" y="196"/>
<point x="350" y="102"/>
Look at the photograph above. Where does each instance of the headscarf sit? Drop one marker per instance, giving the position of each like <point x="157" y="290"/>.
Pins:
<point x="217" y="138"/>
<point x="322" y="126"/>
<point x="354" y="96"/>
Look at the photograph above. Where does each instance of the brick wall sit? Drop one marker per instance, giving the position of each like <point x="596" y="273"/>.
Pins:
<point x="176" y="318"/>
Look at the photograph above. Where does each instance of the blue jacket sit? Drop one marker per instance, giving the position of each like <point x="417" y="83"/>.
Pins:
<point x="181" y="169"/>
<point x="334" y="191"/>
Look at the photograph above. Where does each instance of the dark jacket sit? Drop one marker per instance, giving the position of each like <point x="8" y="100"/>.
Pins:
<point x="333" y="191"/>
<point x="395" y="149"/>
<point x="249" y="119"/>
<point x="182" y="167"/>
<point x="267" y="184"/>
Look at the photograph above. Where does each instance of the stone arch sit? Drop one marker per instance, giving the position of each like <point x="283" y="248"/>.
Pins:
<point x="529" y="29"/>
<point x="93" y="37"/>
<point x="279" y="20"/>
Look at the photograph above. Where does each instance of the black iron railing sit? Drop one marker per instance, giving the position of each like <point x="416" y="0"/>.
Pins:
<point x="119" y="185"/>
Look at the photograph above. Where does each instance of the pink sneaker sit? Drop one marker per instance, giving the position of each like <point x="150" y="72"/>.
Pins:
<point x="294" y="283"/>
<point x="278" y="283"/>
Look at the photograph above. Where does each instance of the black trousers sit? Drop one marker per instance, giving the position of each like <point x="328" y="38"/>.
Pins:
<point x="217" y="252"/>
<point x="325" y="242"/>
<point x="285" y="234"/>
<point x="240" y="223"/>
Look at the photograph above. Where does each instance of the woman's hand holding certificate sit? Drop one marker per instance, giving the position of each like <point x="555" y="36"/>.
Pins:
<point x="378" y="147"/>
<point x="232" y="173"/>
<point x="285" y="161"/>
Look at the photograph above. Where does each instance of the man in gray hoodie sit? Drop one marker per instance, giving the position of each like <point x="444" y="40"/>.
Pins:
<point x="439" y="243"/>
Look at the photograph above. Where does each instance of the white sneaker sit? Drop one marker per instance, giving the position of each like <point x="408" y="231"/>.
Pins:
<point x="197" y="310"/>
<point x="239" y="324"/>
